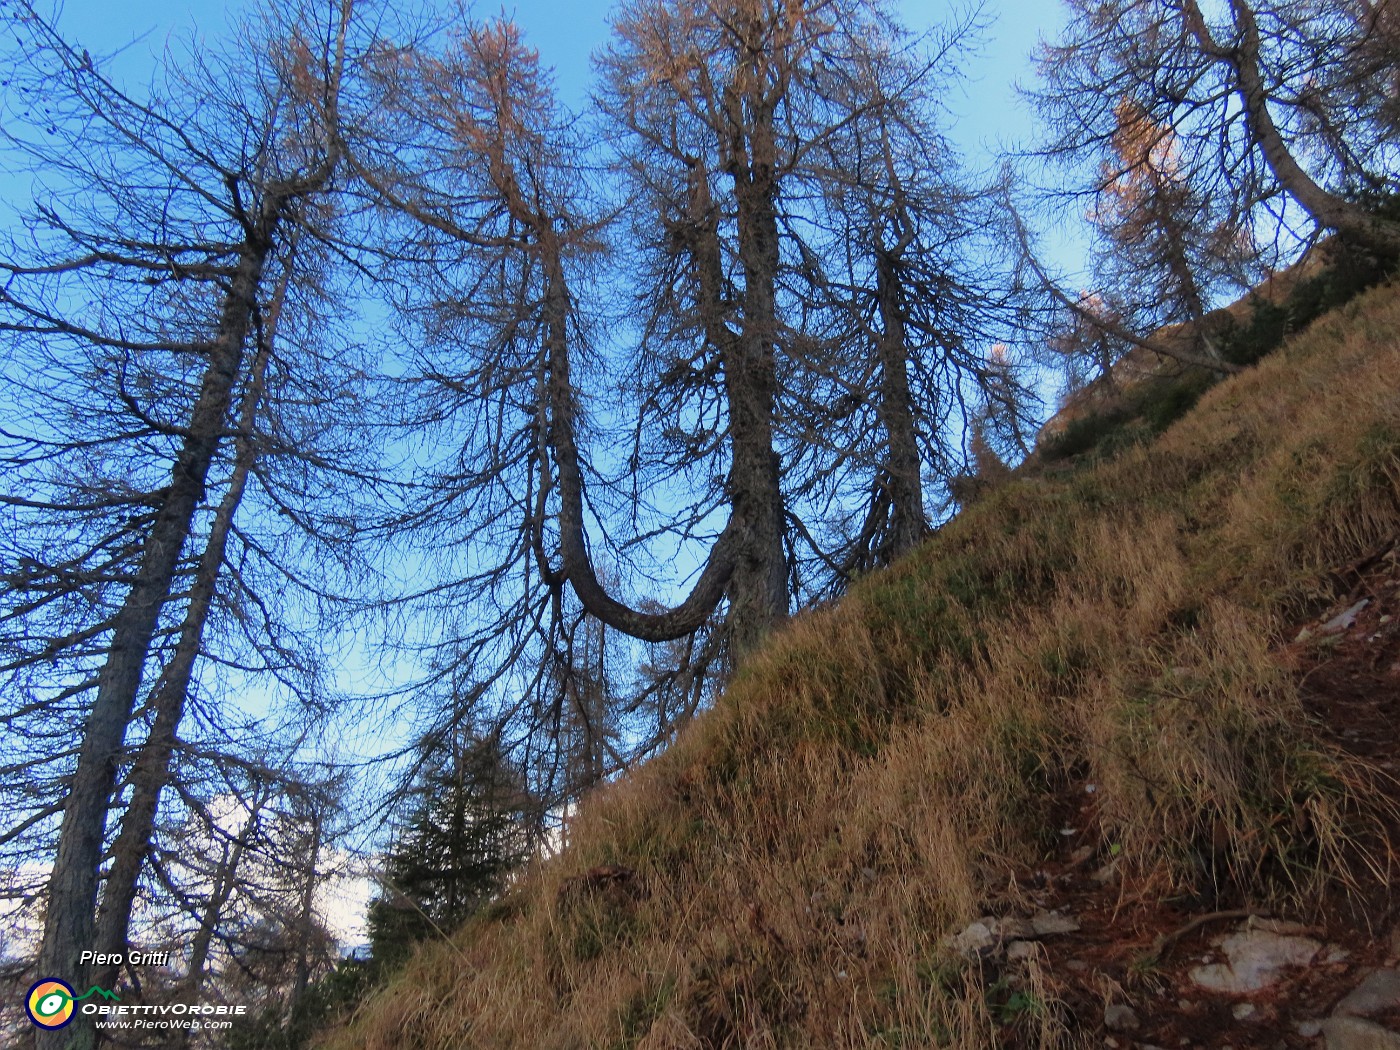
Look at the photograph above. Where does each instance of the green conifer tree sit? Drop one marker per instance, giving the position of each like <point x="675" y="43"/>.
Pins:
<point x="468" y="825"/>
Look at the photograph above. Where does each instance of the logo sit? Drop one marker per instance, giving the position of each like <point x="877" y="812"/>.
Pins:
<point x="50" y="1001"/>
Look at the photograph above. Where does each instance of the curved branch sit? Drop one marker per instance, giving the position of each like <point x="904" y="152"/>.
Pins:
<point x="705" y="596"/>
<point x="1326" y="208"/>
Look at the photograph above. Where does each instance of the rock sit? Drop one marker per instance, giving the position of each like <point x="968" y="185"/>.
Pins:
<point x="1021" y="950"/>
<point x="1219" y="977"/>
<point x="1335" y="954"/>
<point x="1244" y="1011"/>
<point x="1107" y="873"/>
<point x="1376" y="994"/>
<point x="1309" y="1029"/>
<point x="1013" y="928"/>
<point x="1345" y="618"/>
<point x="1352" y="1033"/>
<point x="1120" y="1018"/>
<point x="977" y="939"/>
<point x="1048" y="924"/>
<point x="1255" y="957"/>
<point x="986" y="935"/>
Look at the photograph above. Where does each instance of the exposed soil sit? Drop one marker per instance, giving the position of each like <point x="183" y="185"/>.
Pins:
<point x="1139" y="952"/>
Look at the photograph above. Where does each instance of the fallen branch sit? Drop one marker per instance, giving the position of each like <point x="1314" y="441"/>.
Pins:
<point x="1166" y="940"/>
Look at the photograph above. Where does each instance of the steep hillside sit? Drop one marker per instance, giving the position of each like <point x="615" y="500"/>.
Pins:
<point x="1116" y="701"/>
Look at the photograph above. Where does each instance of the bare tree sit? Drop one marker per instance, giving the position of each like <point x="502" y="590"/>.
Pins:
<point x="1167" y="248"/>
<point x="475" y="163"/>
<point x="149" y="270"/>
<point x="1272" y="103"/>
<point x="703" y="93"/>
<point x="764" y="294"/>
<point x="249" y="902"/>
<point x="150" y="768"/>
<point x="901" y="261"/>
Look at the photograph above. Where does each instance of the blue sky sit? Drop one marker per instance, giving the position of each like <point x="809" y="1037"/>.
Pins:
<point x="566" y="32"/>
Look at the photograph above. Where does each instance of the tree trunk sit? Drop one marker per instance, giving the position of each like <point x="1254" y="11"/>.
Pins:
<point x="758" y="593"/>
<point x="301" y="977"/>
<point x="1326" y="209"/>
<point x="69" y="925"/>
<point x="225" y="878"/>
<point x="903" y="475"/>
<point x="72" y="897"/>
<point x="577" y="566"/>
<point x="150" y="772"/>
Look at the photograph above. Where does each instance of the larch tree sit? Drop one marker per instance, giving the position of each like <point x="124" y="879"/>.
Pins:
<point x="819" y="296"/>
<point x="1207" y="144"/>
<point x="909" y="293"/>
<point x="1271" y="111"/>
<point x="1166" y="248"/>
<point x="474" y="165"/>
<point x="139" y="312"/>
<point x="637" y="355"/>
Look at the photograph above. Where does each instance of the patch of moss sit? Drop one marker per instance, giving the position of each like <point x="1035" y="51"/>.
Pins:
<point x="1137" y="417"/>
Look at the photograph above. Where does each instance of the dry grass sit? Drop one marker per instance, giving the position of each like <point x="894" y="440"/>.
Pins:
<point x="878" y="774"/>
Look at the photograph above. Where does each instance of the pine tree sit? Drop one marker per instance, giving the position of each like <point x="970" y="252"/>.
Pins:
<point x="467" y="828"/>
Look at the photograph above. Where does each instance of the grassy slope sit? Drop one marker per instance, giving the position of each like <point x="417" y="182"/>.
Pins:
<point x="879" y="774"/>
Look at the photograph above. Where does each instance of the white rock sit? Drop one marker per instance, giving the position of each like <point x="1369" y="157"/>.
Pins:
<point x="978" y="937"/>
<point x="1244" y="1011"/>
<point x="1377" y="993"/>
<point x="1120" y="1018"/>
<point x="1014" y="928"/>
<point x="1255" y="958"/>
<point x="1049" y="923"/>
<point x="1345" y="618"/>
<point x="1352" y="1033"/>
